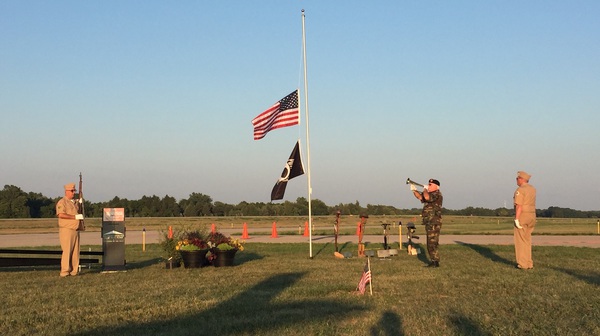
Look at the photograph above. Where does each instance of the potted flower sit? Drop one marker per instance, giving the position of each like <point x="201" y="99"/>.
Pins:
<point x="169" y="242"/>
<point x="192" y="247"/>
<point x="222" y="249"/>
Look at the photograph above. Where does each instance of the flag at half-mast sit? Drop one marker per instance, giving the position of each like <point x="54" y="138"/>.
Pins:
<point x="293" y="167"/>
<point x="284" y="113"/>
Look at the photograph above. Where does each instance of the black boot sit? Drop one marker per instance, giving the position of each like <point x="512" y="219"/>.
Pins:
<point x="434" y="264"/>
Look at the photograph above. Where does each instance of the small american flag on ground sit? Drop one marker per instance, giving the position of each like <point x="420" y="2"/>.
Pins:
<point x="285" y="112"/>
<point x="365" y="278"/>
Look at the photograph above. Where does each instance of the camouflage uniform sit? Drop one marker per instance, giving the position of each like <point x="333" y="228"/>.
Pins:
<point x="432" y="219"/>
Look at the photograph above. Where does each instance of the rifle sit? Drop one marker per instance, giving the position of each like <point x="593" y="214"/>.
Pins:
<point x="361" y="225"/>
<point x="81" y="208"/>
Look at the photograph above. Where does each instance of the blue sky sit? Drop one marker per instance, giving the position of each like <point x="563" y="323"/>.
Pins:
<point x="157" y="98"/>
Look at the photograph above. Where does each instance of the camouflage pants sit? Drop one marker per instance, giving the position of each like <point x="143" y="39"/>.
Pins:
<point x="433" y="240"/>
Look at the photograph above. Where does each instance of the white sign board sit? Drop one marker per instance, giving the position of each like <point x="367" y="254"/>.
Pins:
<point x="113" y="215"/>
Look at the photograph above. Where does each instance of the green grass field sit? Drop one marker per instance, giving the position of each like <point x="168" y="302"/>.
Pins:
<point x="275" y="289"/>
<point x="323" y="224"/>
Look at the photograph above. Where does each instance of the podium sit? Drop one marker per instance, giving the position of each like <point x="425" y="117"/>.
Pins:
<point x="113" y="239"/>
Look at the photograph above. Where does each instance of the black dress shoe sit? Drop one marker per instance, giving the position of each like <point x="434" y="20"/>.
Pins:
<point x="434" y="264"/>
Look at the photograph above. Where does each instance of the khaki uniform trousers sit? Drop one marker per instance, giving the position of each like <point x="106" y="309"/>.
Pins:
<point x="69" y="243"/>
<point x="523" y="240"/>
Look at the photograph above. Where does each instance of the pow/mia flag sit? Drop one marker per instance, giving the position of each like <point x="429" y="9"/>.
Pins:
<point x="293" y="168"/>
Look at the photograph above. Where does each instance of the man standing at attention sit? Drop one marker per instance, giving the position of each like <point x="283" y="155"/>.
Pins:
<point x="432" y="199"/>
<point x="68" y="231"/>
<point x="524" y="200"/>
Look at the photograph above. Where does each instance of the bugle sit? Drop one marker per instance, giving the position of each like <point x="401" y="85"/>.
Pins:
<point x="409" y="181"/>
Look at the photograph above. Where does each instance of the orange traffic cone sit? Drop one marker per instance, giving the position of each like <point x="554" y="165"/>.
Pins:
<point x="274" y="231"/>
<point x="170" y="236"/>
<point x="213" y="228"/>
<point x="245" y="232"/>
<point x="305" y="229"/>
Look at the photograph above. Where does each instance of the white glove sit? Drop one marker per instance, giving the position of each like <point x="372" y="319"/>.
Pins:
<point x="79" y="217"/>
<point x="517" y="224"/>
<point x="425" y="188"/>
<point x="81" y="201"/>
<point x="413" y="188"/>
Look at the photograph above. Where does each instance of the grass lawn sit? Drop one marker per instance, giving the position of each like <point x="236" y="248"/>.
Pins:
<point x="275" y="289"/>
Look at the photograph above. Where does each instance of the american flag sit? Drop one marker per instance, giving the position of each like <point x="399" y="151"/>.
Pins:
<point x="285" y="112"/>
<point x="364" y="279"/>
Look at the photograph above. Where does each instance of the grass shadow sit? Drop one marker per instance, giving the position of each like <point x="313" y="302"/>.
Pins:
<point x="592" y="279"/>
<point x="245" y="256"/>
<point x="344" y="246"/>
<point x="466" y="326"/>
<point x="237" y="315"/>
<point x="390" y="324"/>
<point x="486" y="252"/>
<point x="143" y="263"/>
<point x="324" y="246"/>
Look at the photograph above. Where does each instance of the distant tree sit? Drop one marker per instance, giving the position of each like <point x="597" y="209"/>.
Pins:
<point x="169" y="207"/>
<point x="222" y="209"/>
<point x="198" y="205"/>
<point x="13" y="203"/>
<point x="319" y="208"/>
<point x="149" y="206"/>
<point x="40" y="206"/>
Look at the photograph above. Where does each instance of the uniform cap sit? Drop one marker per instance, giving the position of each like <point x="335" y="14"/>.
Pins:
<point x="70" y="186"/>
<point x="434" y="182"/>
<point x="523" y="175"/>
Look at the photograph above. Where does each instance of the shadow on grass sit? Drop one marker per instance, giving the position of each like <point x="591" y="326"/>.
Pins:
<point x="324" y="246"/>
<point x="487" y="253"/>
<point x="251" y="312"/>
<point x="143" y="263"/>
<point x="245" y="256"/>
<point x="344" y="246"/>
<point x="390" y="324"/>
<point x="466" y="326"/>
<point x="593" y="278"/>
<point x="422" y="257"/>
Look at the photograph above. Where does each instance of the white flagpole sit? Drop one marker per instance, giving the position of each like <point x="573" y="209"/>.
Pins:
<point x="370" y="281"/>
<point x="307" y="141"/>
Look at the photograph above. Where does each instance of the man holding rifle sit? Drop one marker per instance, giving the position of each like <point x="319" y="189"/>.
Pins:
<point x="432" y="199"/>
<point x="69" y="220"/>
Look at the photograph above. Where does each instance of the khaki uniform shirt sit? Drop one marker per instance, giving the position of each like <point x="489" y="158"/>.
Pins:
<point x="70" y="207"/>
<point x="525" y="197"/>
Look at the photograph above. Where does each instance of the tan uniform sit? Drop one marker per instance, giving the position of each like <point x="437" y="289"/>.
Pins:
<point x="68" y="235"/>
<point x="525" y="197"/>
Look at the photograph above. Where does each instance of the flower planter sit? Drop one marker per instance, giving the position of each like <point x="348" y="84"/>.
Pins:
<point x="223" y="258"/>
<point x="194" y="259"/>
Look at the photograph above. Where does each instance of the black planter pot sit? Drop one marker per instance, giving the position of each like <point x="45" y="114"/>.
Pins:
<point x="194" y="259"/>
<point x="223" y="258"/>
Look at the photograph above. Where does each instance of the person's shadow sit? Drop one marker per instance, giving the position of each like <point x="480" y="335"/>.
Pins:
<point x="236" y="315"/>
<point x="486" y="252"/>
<point x="390" y="324"/>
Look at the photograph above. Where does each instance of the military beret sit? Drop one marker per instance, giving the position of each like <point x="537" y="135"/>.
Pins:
<point x="434" y="182"/>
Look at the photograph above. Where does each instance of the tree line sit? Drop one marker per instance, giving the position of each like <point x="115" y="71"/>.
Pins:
<point x="15" y="203"/>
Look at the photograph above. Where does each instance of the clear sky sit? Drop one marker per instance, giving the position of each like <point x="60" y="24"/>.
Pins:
<point x="157" y="97"/>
